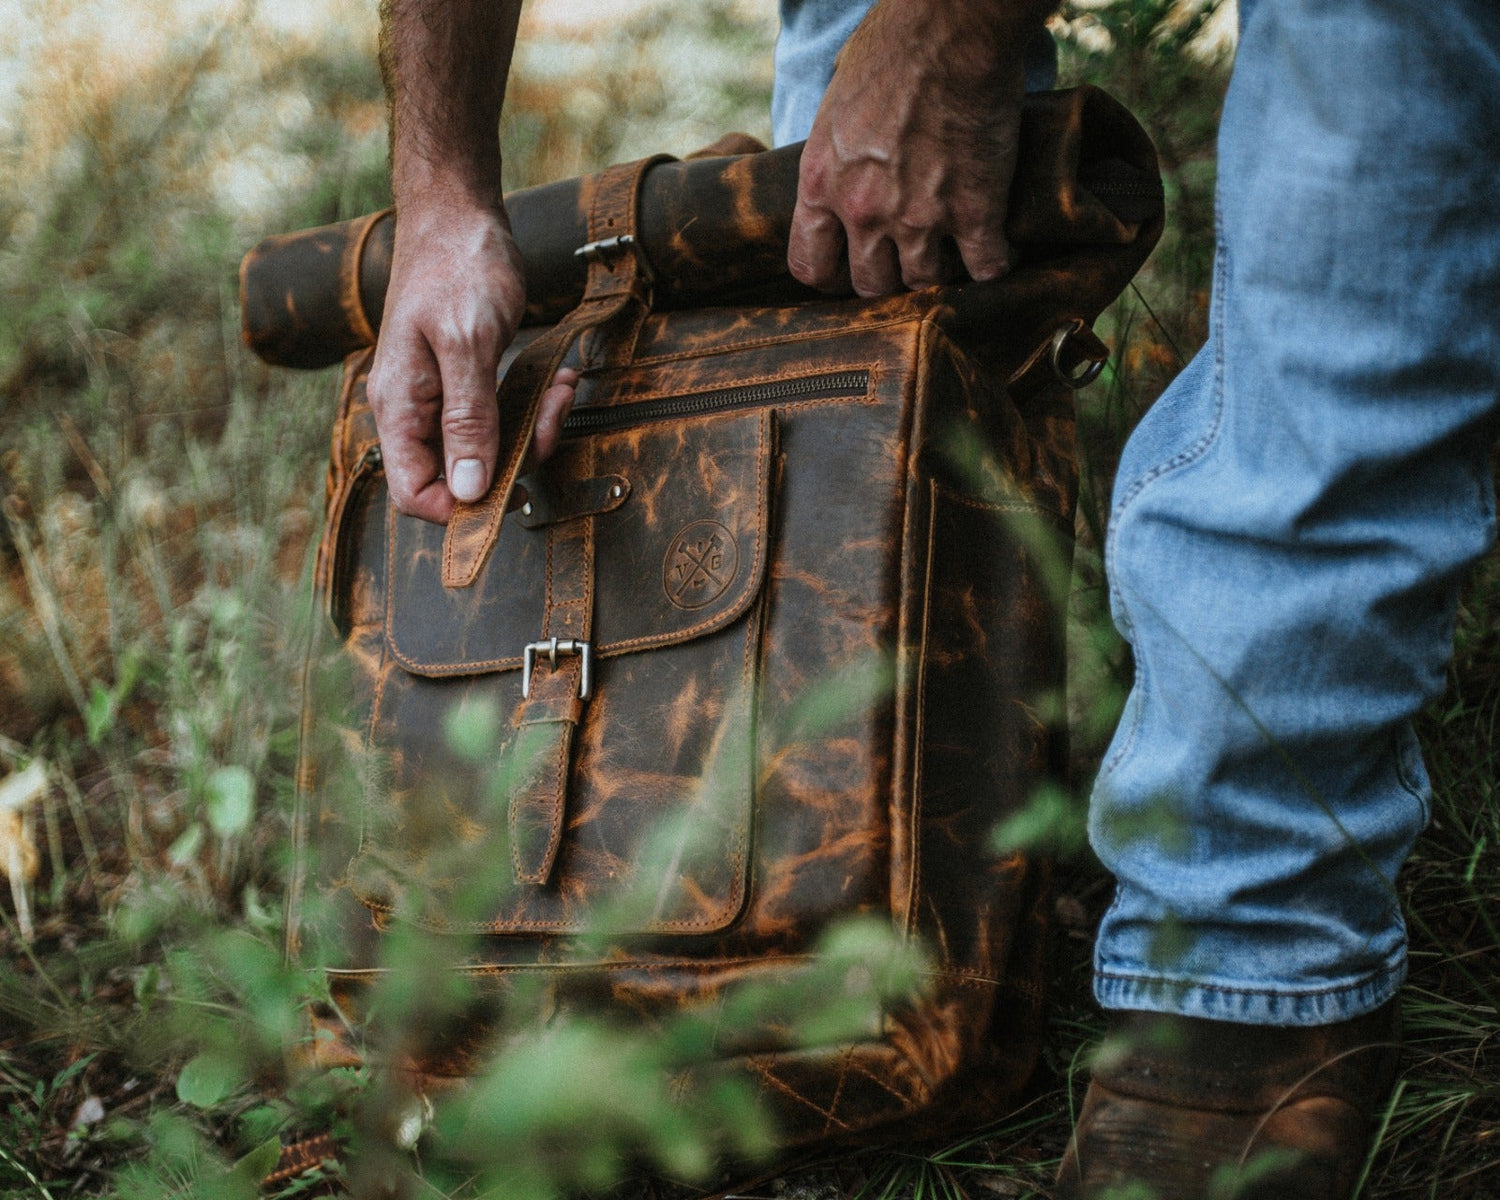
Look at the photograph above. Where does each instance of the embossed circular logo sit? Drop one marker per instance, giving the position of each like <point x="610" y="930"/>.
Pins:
<point x="700" y="564"/>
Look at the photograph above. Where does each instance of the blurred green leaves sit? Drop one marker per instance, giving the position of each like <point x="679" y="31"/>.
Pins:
<point x="230" y="801"/>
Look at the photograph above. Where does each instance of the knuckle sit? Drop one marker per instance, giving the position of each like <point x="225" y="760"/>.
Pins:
<point x="468" y="423"/>
<point x="863" y="209"/>
<point x="403" y="495"/>
<point x="475" y="337"/>
<point x="812" y="180"/>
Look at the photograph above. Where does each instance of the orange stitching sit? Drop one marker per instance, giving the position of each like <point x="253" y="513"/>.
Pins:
<point x="777" y="340"/>
<point x="790" y="375"/>
<point x="1019" y="506"/>
<point x="914" y="903"/>
<point x="903" y="1097"/>
<point x="758" y="1066"/>
<point x="838" y="1088"/>
<point x="697" y="966"/>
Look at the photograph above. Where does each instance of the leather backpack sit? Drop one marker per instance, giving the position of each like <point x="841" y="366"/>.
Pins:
<point x="772" y="641"/>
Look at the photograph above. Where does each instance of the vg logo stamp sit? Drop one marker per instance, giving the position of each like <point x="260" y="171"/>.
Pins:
<point x="700" y="564"/>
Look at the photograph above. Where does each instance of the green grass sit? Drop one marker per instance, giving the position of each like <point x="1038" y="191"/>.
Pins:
<point x="162" y="492"/>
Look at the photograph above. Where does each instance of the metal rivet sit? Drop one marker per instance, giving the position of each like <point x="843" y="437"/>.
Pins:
<point x="617" y="491"/>
<point x="526" y="509"/>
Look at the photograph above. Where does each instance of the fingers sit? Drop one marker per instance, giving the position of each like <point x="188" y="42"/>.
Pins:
<point x="870" y="236"/>
<point x="470" y="421"/>
<point x="815" y="249"/>
<point x="979" y="233"/>
<point x="557" y="400"/>
<point x="405" y="395"/>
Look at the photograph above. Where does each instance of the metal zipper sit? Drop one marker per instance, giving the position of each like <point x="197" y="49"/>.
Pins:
<point x="359" y="478"/>
<point x="811" y="387"/>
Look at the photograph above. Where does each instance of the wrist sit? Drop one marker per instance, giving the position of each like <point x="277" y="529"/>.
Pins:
<point x="973" y="42"/>
<point x="421" y="188"/>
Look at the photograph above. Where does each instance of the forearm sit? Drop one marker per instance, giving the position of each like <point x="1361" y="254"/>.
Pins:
<point x="456" y="294"/>
<point x="445" y="64"/>
<point x="986" y="25"/>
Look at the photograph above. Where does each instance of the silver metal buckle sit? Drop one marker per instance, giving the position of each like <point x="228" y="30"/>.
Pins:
<point x="552" y="647"/>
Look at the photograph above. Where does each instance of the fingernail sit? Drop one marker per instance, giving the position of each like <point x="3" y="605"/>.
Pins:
<point x="467" y="481"/>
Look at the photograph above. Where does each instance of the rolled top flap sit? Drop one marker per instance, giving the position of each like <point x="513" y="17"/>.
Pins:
<point x="682" y="554"/>
<point x="714" y="230"/>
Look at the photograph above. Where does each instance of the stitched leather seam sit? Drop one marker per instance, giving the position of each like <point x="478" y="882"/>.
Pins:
<point x="695" y="965"/>
<point x="767" y="340"/>
<point x="838" y="1088"/>
<point x="903" y="1097"/>
<point x="554" y="829"/>
<point x="760" y="1068"/>
<point x="586" y="620"/>
<point x="999" y="506"/>
<point x="381" y="675"/>
<point x="738" y="381"/>
<point x="914" y="837"/>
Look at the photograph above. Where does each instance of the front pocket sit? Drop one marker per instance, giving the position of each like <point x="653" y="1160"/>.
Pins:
<point x="652" y="835"/>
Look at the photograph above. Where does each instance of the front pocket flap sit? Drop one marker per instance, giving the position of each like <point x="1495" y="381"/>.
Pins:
<point x="682" y="556"/>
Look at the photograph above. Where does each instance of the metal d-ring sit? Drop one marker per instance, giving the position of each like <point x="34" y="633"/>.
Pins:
<point x="1073" y="379"/>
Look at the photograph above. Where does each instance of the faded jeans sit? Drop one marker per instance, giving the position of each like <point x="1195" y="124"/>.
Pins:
<point x="1292" y="520"/>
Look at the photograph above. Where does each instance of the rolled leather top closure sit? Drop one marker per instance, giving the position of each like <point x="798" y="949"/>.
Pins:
<point x="715" y="232"/>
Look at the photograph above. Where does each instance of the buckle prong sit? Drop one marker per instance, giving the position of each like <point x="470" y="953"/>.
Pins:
<point x="606" y="250"/>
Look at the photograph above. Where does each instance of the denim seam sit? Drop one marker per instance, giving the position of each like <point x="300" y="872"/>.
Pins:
<point x="1185" y="457"/>
<point x="1169" y="981"/>
<point x="1404" y="778"/>
<point x="1178" y="461"/>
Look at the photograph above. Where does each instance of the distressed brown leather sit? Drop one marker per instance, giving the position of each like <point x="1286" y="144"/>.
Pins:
<point x="713" y="227"/>
<point x="806" y="543"/>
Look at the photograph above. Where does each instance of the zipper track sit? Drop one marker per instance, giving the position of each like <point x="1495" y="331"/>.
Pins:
<point x="829" y="386"/>
<point x="359" y="477"/>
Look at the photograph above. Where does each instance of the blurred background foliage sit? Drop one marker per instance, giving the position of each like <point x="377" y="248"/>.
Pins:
<point x="162" y="492"/>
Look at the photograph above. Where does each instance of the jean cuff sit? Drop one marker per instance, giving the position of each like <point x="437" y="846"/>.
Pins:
<point x="1287" y="1006"/>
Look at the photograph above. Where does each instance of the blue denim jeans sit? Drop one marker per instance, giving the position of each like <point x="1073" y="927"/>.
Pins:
<point x="1291" y="521"/>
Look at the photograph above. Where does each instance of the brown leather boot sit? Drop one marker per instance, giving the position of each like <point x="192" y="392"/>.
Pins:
<point x="1188" y="1109"/>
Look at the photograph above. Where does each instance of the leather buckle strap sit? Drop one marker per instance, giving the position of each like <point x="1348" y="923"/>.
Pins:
<point x="551" y="707"/>
<point x="614" y="286"/>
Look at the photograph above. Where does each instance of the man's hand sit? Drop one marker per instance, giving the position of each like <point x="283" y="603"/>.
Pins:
<point x="905" y="174"/>
<point x="455" y="299"/>
<point x="456" y="293"/>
